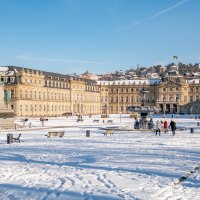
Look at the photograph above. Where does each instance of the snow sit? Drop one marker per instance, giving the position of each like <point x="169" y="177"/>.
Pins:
<point x="128" y="82"/>
<point x="3" y="69"/>
<point x="194" y="81"/>
<point x="127" y="165"/>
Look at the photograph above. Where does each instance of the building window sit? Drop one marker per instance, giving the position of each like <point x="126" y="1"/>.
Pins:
<point x="12" y="79"/>
<point x="20" y="94"/>
<point x="132" y="99"/>
<point x="126" y="99"/>
<point x="185" y="99"/>
<point x="20" y="108"/>
<point x="26" y="94"/>
<point x="191" y="98"/>
<point x="31" y="95"/>
<point x="164" y="98"/>
<point x="12" y="94"/>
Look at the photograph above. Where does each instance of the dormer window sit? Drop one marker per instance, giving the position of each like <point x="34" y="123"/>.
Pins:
<point x="12" y="79"/>
<point x="5" y="79"/>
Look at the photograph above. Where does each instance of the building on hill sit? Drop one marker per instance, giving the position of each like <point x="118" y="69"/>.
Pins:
<point x="90" y="76"/>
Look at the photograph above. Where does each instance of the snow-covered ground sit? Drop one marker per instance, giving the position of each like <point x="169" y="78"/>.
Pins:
<point x="127" y="165"/>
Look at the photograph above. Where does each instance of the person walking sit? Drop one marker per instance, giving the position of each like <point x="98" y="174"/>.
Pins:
<point x="150" y="123"/>
<point x="173" y="126"/>
<point x="165" y="127"/>
<point x="158" y="127"/>
<point x="136" y="124"/>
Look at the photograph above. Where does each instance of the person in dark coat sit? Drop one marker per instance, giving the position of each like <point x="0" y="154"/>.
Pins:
<point x="173" y="126"/>
<point x="136" y="124"/>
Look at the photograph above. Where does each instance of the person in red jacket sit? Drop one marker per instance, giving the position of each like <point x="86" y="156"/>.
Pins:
<point x="165" y="127"/>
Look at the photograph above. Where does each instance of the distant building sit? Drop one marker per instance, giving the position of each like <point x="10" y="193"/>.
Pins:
<point x="90" y="76"/>
<point x="162" y="69"/>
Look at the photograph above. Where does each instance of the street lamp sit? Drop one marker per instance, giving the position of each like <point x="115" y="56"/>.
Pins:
<point x="191" y="110"/>
<point x="120" y="116"/>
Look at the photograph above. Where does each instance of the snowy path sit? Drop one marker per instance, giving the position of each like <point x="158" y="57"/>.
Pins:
<point x="128" y="165"/>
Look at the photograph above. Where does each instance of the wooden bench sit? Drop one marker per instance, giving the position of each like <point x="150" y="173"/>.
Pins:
<point x="55" y="134"/>
<point x="109" y="131"/>
<point x="110" y="121"/>
<point x="17" y="138"/>
<point x="95" y="120"/>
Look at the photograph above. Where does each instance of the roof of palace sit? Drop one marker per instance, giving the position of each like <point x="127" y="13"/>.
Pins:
<point x="13" y="70"/>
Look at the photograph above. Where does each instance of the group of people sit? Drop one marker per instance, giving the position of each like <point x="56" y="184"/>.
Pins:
<point x="159" y="125"/>
<point x="143" y="123"/>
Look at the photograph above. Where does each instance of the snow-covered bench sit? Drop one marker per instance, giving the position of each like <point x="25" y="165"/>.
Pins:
<point x="109" y="131"/>
<point x="15" y="139"/>
<point x="55" y="134"/>
<point x="110" y="121"/>
<point x="95" y="120"/>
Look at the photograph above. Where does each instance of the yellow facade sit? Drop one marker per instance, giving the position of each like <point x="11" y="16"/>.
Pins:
<point x="39" y="95"/>
<point x="36" y="93"/>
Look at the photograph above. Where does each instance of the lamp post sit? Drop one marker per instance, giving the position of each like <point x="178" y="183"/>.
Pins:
<point x="118" y="100"/>
<point x="191" y="110"/>
<point x="120" y="116"/>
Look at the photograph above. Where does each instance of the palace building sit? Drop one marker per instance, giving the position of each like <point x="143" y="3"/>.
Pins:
<point x="40" y="93"/>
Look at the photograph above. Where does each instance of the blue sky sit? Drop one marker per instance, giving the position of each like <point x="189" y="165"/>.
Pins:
<point x="72" y="36"/>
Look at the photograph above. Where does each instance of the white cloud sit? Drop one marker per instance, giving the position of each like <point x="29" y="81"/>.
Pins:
<point x="162" y="12"/>
<point x="31" y="57"/>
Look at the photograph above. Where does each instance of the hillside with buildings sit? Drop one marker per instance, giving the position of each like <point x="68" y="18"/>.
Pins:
<point x="152" y="72"/>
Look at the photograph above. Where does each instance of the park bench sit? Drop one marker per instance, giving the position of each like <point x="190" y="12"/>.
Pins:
<point x="55" y="134"/>
<point x="43" y="119"/>
<point x="79" y="120"/>
<point x="15" y="139"/>
<point x="95" y="120"/>
<point x="110" y="121"/>
<point x="109" y="131"/>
